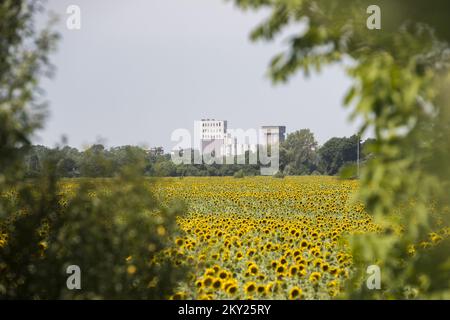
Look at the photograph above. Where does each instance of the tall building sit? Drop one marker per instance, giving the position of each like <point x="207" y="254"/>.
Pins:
<point x="213" y="129"/>
<point x="272" y="135"/>
<point x="212" y="135"/>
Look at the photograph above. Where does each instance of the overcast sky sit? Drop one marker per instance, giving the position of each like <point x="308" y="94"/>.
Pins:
<point x="139" y="69"/>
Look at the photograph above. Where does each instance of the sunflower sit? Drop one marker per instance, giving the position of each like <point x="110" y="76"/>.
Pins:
<point x="293" y="270"/>
<point x="425" y="244"/>
<point x="270" y="287"/>
<point x="253" y="269"/>
<point x="216" y="268"/>
<point x="178" y="296"/>
<point x="43" y="245"/>
<point x="250" y="252"/>
<point x="342" y="272"/>
<point x="261" y="289"/>
<point x="435" y="238"/>
<point x="215" y="256"/>
<point x="325" y="267"/>
<point x="332" y="284"/>
<point x="333" y="271"/>
<point x="314" y="277"/>
<point x="210" y="272"/>
<point x="179" y="242"/>
<point x="315" y="252"/>
<point x="301" y="271"/>
<point x="300" y="260"/>
<point x="223" y="275"/>
<point x="280" y="269"/>
<point x="411" y="250"/>
<point x="227" y="284"/>
<point x="295" y="293"/>
<point x="317" y="263"/>
<point x="333" y="292"/>
<point x="205" y="297"/>
<point x="250" y="287"/>
<point x="217" y="283"/>
<point x="208" y="281"/>
<point x="232" y="289"/>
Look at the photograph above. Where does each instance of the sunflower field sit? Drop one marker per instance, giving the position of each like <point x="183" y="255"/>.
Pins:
<point x="264" y="238"/>
<point x="199" y="238"/>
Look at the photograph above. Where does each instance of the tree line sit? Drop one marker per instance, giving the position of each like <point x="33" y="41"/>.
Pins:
<point x="300" y="154"/>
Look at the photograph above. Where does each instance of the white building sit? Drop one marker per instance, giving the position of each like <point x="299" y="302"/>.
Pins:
<point x="212" y="135"/>
<point x="272" y="135"/>
<point x="212" y="129"/>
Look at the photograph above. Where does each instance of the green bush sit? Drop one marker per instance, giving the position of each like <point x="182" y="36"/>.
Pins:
<point x="113" y="230"/>
<point x="239" y="174"/>
<point x="400" y="79"/>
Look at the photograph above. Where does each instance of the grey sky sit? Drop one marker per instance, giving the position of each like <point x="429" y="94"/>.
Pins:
<point x="139" y="69"/>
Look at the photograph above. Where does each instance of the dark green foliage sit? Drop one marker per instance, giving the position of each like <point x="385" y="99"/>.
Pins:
<point x="114" y="230"/>
<point x="401" y="76"/>
<point x="96" y="228"/>
<point x="23" y="58"/>
<point x="298" y="154"/>
<point x="239" y="174"/>
<point x="338" y="152"/>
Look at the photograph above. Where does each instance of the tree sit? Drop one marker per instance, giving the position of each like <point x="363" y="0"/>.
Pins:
<point x="96" y="162"/>
<point x="125" y="155"/>
<point x="117" y="236"/>
<point x="400" y="91"/>
<point x="23" y="53"/>
<point x="164" y="169"/>
<point x="298" y="153"/>
<point x="69" y="164"/>
<point x="331" y="156"/>
<point x="337" y="152"/>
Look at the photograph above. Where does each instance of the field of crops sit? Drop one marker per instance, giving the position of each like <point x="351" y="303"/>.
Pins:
<point x="262" y="237"/>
